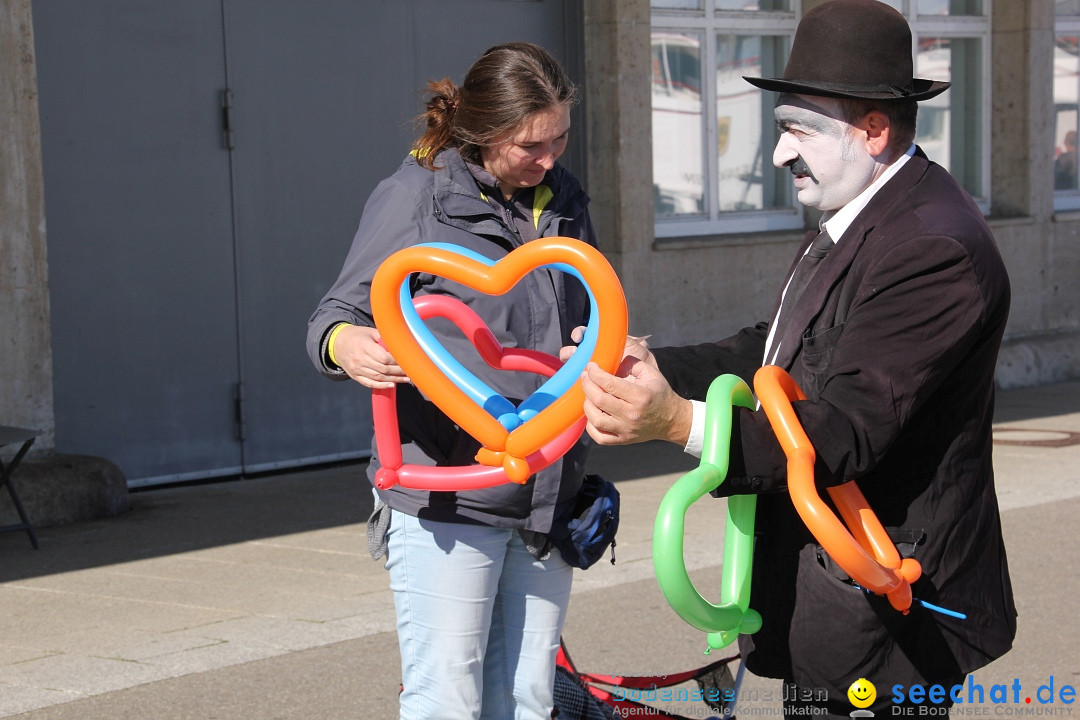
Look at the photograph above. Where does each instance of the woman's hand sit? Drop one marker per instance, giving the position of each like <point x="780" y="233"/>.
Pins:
<point x="358" y="352"/>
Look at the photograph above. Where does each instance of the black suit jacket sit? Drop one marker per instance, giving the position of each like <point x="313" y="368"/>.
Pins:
<point x="895" y="344"/>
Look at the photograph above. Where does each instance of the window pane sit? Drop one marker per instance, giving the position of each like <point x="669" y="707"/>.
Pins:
<point x="951" y="7"/>
<point x="678" y="124"/>
<point x="676" y="4"/>
<point x="1066" y="77"/>
<point x="1067" y="7"/>
<point x="746" y="178"/>
<point x="947" y="123"/>
<point x="754" y="5"/>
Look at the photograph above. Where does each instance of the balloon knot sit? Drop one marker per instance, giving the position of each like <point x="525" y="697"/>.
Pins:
<point x="517" y="469"/>
<point x="386" y="478"/>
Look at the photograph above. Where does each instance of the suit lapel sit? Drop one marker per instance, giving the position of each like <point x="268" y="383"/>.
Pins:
<point x="832" y="267"/>
<point x="836" y="264"/>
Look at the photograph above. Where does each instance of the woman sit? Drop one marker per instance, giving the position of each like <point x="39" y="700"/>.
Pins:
<point x="480" y="596"/>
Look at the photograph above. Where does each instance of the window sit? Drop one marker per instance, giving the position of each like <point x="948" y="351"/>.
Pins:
<point x="700" y="53"/>
<point x="1066" y="84"/>
<point x="701" y="49"/>
<point x="952" y="43"/>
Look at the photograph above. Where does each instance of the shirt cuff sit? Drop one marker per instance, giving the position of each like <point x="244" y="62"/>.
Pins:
<point x="696" y="441"/>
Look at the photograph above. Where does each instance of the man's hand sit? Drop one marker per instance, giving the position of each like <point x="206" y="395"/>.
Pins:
<point x="636" y="347"/>
<point x="359" y="354"/>
<point x="634" y="405"/>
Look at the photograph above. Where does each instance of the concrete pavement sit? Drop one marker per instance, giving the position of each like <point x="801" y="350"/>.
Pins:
<point x="257" y="599"/>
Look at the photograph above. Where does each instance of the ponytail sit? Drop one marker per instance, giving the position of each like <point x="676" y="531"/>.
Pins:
<point x="438" y="121"/>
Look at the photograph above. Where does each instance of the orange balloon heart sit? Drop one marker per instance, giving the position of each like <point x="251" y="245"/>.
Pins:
<point x="510" y="448"/>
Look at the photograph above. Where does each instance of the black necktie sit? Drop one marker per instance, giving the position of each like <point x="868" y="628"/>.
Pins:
<point x="808" y="264"/>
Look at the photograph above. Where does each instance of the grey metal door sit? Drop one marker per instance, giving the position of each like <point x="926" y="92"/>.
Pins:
<point x="218" y="245"/>
<point x="139" y="231"/>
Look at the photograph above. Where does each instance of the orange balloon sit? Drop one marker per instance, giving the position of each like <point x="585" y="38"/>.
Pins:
<point x="511" y="448"/>
<point x="862" y="547"/>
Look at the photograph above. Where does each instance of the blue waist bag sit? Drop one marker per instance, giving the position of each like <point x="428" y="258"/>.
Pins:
<point x="582" y="534"/>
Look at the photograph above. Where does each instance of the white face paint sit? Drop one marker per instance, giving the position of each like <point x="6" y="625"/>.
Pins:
<point x="836" y="164"/>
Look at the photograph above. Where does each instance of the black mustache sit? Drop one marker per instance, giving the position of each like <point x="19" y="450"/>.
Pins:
<point x="798" y="166"/>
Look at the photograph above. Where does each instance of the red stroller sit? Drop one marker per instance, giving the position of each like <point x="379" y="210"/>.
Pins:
<point x="585" y="696"/>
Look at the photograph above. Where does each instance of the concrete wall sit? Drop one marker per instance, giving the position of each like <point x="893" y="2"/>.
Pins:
<point x="26" y="394"/>
<point x="1040" y="246"/>
<point x="699" y="289"/>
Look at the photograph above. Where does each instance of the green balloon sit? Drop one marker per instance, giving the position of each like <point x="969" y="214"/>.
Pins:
<point x="726" y="620"/>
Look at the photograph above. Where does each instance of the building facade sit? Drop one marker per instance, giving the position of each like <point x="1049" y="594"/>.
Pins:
<point x="673" y="146"/>
<point x="692" y="281"/>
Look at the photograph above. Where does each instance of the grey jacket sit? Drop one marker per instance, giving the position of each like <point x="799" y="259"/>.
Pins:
<point x="416" y="205"/>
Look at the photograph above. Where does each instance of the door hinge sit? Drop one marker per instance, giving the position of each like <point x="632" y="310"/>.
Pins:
<point x="238" y="404"/>
<point x="227" y="118"/>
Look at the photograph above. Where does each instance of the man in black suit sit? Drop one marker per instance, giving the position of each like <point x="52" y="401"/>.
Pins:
<point x="894" y="341"/>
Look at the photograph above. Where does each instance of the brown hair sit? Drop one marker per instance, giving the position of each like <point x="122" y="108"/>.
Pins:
<point x="507" y="85"/>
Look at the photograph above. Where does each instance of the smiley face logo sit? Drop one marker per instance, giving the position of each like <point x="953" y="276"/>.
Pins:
<point x="862" y="693"/>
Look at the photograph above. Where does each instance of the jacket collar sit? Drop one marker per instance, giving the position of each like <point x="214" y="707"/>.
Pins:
<point x="459" y="202"/>
<point x="839" y="221"/>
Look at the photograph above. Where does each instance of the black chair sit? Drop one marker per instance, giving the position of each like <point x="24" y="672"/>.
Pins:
<point x="24" y="438"/>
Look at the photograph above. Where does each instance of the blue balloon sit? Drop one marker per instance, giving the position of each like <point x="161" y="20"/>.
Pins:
<point x="495" y="404"/>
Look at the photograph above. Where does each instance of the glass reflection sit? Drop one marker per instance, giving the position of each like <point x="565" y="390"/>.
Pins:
<point x="1066" y="78"/>
<point x="678" y="124"/>
<point x="676" y="4"/>
<point x="951" y="7"/>
<point x="755" y="5"/>
<point x="746" y="178"/>
<point x="1067" y="7"/>
<point x="955" y="113"/>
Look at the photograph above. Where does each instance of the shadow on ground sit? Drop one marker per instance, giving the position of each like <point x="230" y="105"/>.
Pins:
<point x="165" y="521"/>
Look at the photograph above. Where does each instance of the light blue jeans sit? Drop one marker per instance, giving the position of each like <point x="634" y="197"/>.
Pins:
<point x="478" y="619"/>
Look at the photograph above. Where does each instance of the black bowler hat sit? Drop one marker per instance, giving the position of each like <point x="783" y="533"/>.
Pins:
<point x="852" y="49"/>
